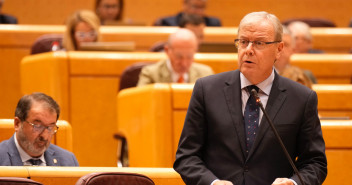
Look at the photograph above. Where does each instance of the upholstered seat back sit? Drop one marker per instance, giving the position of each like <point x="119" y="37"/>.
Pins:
<point x="17" y="181"/>
<point x="114" y="178"/>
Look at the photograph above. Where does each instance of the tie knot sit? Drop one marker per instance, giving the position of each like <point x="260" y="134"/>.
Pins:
<point x="252" y="87"/>
<point x="35" y="162"/>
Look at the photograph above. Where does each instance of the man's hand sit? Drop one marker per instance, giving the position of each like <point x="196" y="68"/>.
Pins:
<point x="282" y="181"/>
<point x="222" y="182"/>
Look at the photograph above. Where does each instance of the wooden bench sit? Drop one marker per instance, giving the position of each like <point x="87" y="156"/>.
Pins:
<point x="230" y="12"/>
<point x="62" y="138"/>
<point x="85" y="85"/>
<point x="69" y="175"/>
<point x="153" y="128"/>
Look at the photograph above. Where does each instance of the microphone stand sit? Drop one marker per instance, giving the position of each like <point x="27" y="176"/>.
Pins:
<point x="255" y="94"/>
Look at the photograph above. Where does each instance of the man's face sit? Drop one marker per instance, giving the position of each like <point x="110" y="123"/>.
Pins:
<point x="198" y="30"/>
<point x="181" y="54"/>
<point x="287" y="51"/>
<point x="108" y="10"/>
<point x="256" y="64"/>
<point x="302" y="44"/>
<point x="195" y="7"/>
<point x="35" y="143"/>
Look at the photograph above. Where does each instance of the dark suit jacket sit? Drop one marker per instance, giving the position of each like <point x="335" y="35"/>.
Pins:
<point x="9" y="155"/>
<point x="212" y="143"/>
<point x="7" y="19"/>
<point x="175" y="20"/>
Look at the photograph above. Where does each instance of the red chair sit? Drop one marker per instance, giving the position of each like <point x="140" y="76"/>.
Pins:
<point x="45" y="43"/>
<point x="312" y="22"/>
<point x="114" y="178"/>
<point x="17" y="181"/>
<point x="130" y="76"/>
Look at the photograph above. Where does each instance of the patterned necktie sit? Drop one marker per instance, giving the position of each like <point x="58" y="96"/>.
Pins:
<point x="251" y="118"/>
<point x="35" y="162"/>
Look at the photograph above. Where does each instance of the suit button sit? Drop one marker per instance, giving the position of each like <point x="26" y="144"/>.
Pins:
<point x="245" y="168"/>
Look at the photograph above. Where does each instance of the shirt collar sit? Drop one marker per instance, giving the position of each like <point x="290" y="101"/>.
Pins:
<point x="264" y="86"/>
<point x="175" y="76"/>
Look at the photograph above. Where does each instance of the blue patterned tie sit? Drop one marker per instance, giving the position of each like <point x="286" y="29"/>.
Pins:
<point x="251" y="118"/>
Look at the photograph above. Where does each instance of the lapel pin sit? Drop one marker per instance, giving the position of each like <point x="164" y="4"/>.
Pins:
<point x="55" y="161"/>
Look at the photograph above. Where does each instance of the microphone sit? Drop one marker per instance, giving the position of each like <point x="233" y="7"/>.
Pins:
<point x="255" y="94"/>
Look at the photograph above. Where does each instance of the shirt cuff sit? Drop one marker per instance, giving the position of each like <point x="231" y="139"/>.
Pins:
<point x="294" y="182"/>
<point x="212" y="183"/>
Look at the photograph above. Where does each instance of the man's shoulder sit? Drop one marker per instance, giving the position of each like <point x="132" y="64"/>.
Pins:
<point x="155" y="66"/>
<point x="58" y="150"/>
<point x="8" y="19"/>
<point x="168" y="20"/>
<point x="212" y="21"/>
<point x="199" y="66"/>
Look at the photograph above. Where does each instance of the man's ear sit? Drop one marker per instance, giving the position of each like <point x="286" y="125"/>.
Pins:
<point x="280" y="49"/>
<point x="17" y="123"/>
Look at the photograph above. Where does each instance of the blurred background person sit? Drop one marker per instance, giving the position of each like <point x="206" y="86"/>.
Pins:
<point x="283" y="66"/>
<point x="179" y="67"/>
<point x="4" y="18"/>
<point x="109" y="10"/>
<point x="81" y="26"/>
<point x="303" y="37"/>
<point x="191" y="22"/>
<point x="197" y="7"/>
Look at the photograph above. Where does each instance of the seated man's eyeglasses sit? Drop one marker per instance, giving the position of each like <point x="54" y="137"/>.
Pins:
<point x="243" y="43"/>
<point x="39" y="128"/>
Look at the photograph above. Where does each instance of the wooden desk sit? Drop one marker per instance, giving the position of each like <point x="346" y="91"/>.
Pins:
<point x="153" y="128"/>
<point x="69" y="175"/>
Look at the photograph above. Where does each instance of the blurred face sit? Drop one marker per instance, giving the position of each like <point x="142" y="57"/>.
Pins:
<point x="287" y="51"/>
<point x="84" y="33"/>
<point x="198" y="30"/>
<point x="108" y="10"/>
<point x="302" y="44"/>
<point x="181" y="54"/>
<point x="195" y="7"/>
<point x="34" y="142"/>
<point x="256" y="64"/>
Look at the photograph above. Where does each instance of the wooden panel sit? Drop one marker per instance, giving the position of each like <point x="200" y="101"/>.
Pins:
<point x="93" y="119"/>
<point x="339" y="165"/>
<point x="177" y="123"/>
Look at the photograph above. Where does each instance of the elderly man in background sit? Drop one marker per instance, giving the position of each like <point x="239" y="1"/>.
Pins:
<point x="180" y="66"/>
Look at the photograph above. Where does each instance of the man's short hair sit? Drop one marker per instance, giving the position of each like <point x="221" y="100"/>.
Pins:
<point x="255" y="16"/>
<point x="25" y="103"/>
<point x="190" y="19"/>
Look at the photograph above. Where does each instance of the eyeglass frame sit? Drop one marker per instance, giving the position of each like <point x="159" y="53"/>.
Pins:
<point x="35" y="127"/>
<point x="93" y="33"/>
<point x="254" y="43"/>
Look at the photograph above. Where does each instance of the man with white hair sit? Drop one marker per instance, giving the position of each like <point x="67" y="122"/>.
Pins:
<point x="180" y="66"/>
<point x="303" y="37"/>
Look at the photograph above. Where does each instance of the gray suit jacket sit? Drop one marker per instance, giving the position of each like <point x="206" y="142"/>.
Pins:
<point x="212" y="143"/>
<point x="159" y="73"/>
<point x="9" y="155"/>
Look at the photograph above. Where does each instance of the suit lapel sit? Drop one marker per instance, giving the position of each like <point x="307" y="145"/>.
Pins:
<point x="14" y="155"/>
<point x="232" y="92"/>
<point x="165" y="74"/>
<point x="275" y="101"/>
<point x="50" y="159"/>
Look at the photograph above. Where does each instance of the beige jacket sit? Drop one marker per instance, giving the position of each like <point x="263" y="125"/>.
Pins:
<point x="159" y="73"/>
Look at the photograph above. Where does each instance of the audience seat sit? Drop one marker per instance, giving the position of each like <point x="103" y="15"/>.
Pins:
<point x="114" y="178"/>
<point x="130" y="76"/>
<point x="17" y="181"/>
<point x="312" y="22"/>
<point x="45" y="42"/>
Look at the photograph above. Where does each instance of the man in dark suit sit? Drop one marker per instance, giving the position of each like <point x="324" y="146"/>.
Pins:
<point x="189" y="7"/>
<point x="222" y="144"/>
<point x="35" y="125"/>
<point x="6" y="19"/>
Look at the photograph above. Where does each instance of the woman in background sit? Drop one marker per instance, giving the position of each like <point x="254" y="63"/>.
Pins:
<point x="81" y="26"/>
<point x="109" y="10"/>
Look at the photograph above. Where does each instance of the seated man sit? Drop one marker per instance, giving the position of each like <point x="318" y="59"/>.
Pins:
<point x="303" y="37"/>
<point x="35" y="125"/>
<point x="189" y="7"/>
<point x="180" y="49"/>
<point x="4" y="18"/>
<point x="282" y="64"/>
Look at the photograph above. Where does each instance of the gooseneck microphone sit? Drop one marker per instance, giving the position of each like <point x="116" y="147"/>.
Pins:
<point x="255" y="94"/>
